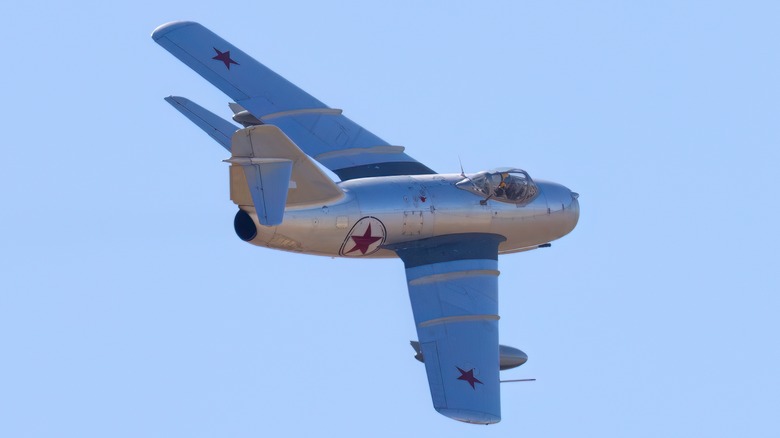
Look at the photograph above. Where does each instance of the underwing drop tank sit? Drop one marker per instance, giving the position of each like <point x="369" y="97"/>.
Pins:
<point x="510" y="357"/>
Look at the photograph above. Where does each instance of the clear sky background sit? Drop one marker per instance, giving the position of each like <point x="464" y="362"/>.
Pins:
<point x="129" y="308"/>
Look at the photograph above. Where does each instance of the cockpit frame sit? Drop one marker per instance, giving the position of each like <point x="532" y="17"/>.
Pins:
<point x="509" y="185"/>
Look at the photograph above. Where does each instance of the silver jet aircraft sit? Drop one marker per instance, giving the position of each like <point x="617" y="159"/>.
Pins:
<point x="448" y="229"/>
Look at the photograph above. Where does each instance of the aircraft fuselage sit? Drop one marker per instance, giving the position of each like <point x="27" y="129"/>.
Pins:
<point x="383" y="211"/>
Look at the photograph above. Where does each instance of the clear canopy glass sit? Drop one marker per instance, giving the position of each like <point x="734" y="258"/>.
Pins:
<point x="506" y="185"/>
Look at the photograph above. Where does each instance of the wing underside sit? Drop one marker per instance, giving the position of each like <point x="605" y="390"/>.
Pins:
<point x="322" y="132"/>
<point x="453" y="288"/>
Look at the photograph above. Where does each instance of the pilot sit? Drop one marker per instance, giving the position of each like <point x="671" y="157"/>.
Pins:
<point x="501" y="189"/>
<point x="513" y="190"/>
<point x="504" y="178"/>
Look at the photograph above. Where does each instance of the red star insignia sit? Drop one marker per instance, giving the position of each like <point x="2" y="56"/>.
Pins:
<point x="224" y="57"/>
<point x="363" y="242"/>
<point x="469" y="377"/>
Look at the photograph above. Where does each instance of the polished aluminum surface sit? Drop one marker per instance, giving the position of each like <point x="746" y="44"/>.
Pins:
<point x="387" y="210"/>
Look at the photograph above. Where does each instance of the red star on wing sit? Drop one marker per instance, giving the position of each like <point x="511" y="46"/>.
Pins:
<point x="469" y="377"/>
<point x="363" y="242"/>
<point x="224" y="57"/>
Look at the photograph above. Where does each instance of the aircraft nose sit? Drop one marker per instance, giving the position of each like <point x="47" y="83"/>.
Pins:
<point x="574" y="207"/>
<point x="562" y="203"/>
<point x="571" y="208"/>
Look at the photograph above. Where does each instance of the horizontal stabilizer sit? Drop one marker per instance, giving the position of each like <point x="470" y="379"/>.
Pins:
<point x="216" y="127"/>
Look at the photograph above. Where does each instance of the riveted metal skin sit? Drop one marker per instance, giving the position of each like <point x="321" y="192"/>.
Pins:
<point x="418" y="207"/>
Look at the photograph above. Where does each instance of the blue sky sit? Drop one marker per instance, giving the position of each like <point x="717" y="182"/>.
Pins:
<point x="128" y="307"/>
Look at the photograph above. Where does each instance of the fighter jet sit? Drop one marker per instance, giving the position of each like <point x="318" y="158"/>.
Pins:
<point x="448" y="229"/>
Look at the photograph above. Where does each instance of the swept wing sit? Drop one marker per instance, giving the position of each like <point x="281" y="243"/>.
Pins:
<point x="453" y="287"/>
<point x="324" y="133"/>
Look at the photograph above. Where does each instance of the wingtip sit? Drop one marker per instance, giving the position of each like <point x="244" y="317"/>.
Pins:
<point x="469" y="416"/>
<point x="163" y="29"/>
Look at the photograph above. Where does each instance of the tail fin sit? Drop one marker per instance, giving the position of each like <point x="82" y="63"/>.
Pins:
<point x="270" y="172"/>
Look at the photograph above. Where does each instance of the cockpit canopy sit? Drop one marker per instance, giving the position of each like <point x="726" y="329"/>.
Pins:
<point x="506" y="185"/>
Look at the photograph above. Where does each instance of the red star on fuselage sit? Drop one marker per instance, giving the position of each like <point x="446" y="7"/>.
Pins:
<point x="363" y="242"/>
<point x="224" y="57"/>
<point x="469" y="377"/>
